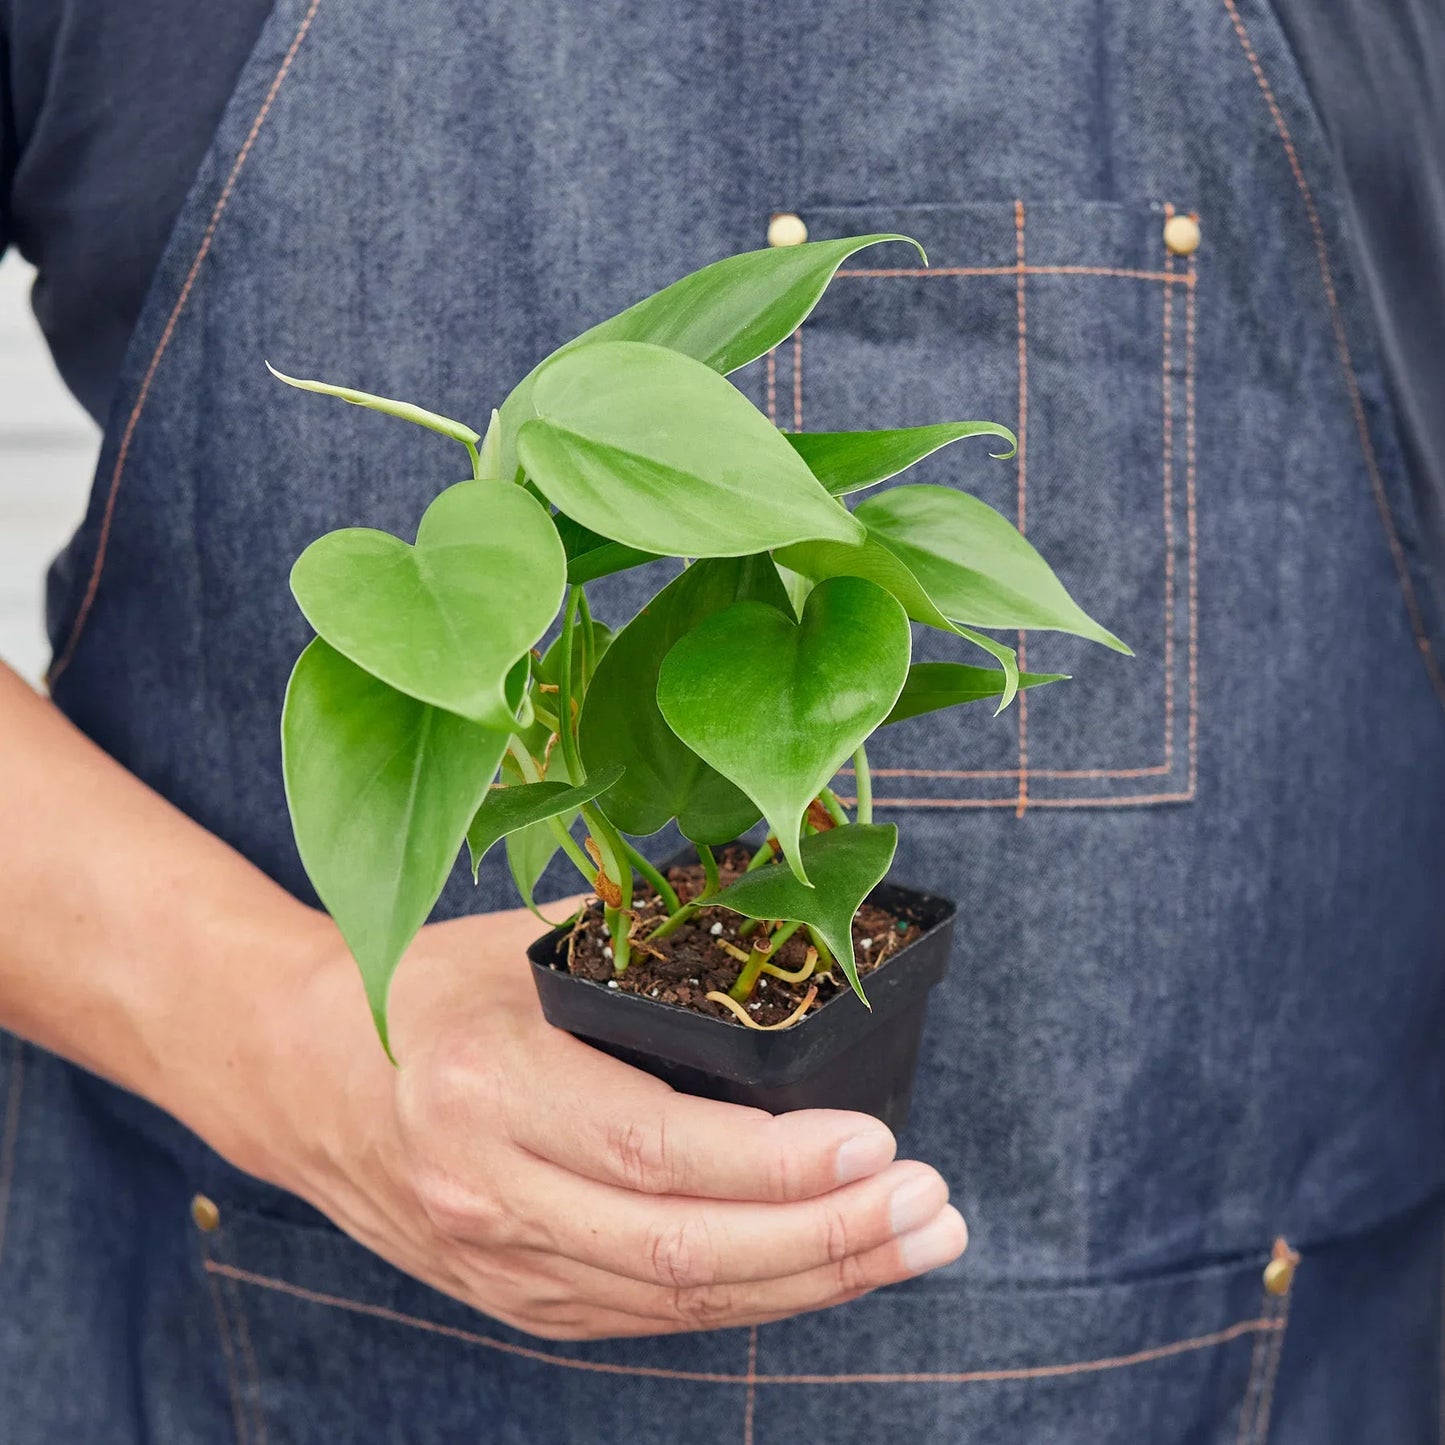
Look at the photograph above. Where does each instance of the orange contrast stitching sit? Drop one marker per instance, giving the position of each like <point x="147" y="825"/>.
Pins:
<point x="1167" y="385"/>
<point x="1190" y="472"/>
<point x="107" y="517"/>
<point x="243" y="1435"/>
<point x="1139" y="800"/>
<point x="1342" y="346"/>
<point x="1023" y="488"/>
<point x="248" y="1358"/>
<point x="10" y="1139"/>
<point x="1168" y="277"/>
<point x="752" y="1397"/>
<point x="966" y="1377"/>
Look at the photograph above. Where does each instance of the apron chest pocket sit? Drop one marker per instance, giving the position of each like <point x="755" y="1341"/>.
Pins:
<point x="1074" y="324"/>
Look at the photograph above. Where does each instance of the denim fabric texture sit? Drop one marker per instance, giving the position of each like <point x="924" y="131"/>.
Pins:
<point x="1198" y="1004"/>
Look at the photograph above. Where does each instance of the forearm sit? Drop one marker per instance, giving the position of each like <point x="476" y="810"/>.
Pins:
<point x="131" y="940"/>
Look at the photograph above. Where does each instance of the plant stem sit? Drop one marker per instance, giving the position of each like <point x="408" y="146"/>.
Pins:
<point x="711" y="882"/>
<point x="589" y="639"/>
<point x="660" y="884"/>
<point x="763" y="855"/>
<point x="616" y="865"/>
<point x="567" y="724"/>
<point x="825" y="954"/>
<point x="836" y="811"/>
<point x="865" y="785"/>
<point x="748" y="978"/>
<point x="476" y="457"/>
<point x="710" y="887"/>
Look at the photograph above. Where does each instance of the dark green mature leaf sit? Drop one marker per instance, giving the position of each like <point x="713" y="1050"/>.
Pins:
<point x="932" y="686"/>
<point x="848" y="461"/>
<point x="974" y="563"/>
<point x="777" y="706"/>
<point x="621" y="723"/>
<point x="431" y="420"/>
<point x="845" y="864"/>
<point x="591" y="555"/>
<point x="381" y="789"/>
<point x="658" y="452"/>
<point x="724" y="315"/>
<point x="505" y="810"/>
<point x="444" y="621"/>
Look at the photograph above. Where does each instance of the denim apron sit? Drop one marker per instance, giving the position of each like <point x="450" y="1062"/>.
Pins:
<point x="1185" y="1076"/>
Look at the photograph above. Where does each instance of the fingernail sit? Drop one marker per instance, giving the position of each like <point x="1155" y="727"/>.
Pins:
<point x="935" y="1244"/>
<point x="864" y="1154"/>
<point x="915" y="1203"/>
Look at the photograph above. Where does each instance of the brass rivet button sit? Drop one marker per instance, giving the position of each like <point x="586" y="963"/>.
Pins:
<point x="205" y="1214"/>
<point x="786" y="229"/>
<point x="1279" y="1275"/>
<point x="1181" y="235"/>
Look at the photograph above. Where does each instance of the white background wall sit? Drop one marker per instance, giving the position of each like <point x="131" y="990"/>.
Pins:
<point x="47" y="453"/>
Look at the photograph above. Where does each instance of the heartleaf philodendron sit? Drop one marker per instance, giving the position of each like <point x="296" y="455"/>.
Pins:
<point x="443" y="621"/>
<point x="429" y="711"/>
<point x="658" y="452"/>
<point x="813" y="689"/>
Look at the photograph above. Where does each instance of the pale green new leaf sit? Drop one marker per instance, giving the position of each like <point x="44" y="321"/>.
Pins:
<point x="431" y="420"/>
<point x="381" y="789"/>
<point x="777" y="706"/>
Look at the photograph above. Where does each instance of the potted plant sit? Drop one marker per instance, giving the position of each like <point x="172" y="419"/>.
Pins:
<point x="425" y="714"/>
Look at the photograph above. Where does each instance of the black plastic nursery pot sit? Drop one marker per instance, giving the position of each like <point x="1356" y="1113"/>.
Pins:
<point x="840" y="1056"/>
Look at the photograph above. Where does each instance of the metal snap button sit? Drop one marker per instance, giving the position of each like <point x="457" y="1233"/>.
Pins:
<point x="786" y="229"/>
<point x="205" y="1214"/>
<point x="1279" y="1272"/>
<point x="1181" y="235"/>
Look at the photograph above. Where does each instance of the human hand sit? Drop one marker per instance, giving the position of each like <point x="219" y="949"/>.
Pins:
<point x="561" y="1191"/>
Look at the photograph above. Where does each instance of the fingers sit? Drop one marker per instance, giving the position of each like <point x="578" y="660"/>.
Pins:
<point x="636" y="1133"/>
<point x="581" y="1301"/>
<point x="680" y="1242"/>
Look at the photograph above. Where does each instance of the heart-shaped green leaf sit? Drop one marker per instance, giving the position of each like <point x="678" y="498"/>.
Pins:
<point x="658" y="452"/>
<point x="724" y="315"/>
<point x="590" y="555"/>
<point x="446" y="620"/>
<point x="932" y="686"/>
<point x="504" y="810"/>
<point x="845" y="864"/>
<point x="381" y="789"/>
<point x="621" y="723"/>
<point x="974" y="563"/>
<point x="873" y="561"/>
<point x="848" y="461"/>
<point x="777" y="706"/>
<point x="431" y="420"/>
